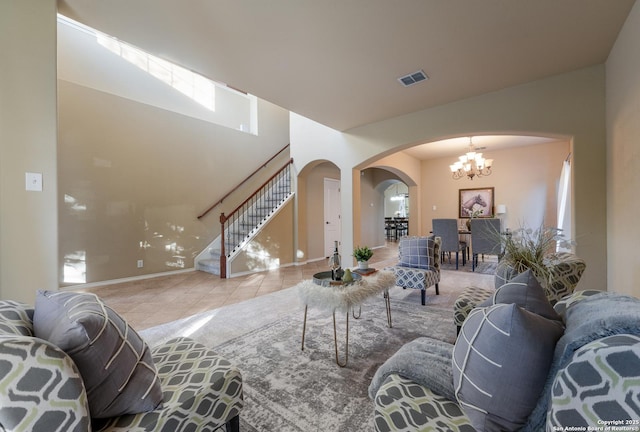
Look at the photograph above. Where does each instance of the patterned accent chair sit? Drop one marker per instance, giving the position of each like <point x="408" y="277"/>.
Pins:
<point x="419" y="264"/>
<point x="591" y="380"/>
<point x="41" y="388"/>
<point x="565" y="270"/>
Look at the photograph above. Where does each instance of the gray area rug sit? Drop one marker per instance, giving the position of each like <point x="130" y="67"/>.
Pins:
<point x="488" y="266"/>
<point x="287" y="389"/>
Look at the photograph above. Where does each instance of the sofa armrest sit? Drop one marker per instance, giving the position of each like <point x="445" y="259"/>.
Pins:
<point x="402" y="405"/>
<point x="41" y="388"/>
<point x="201" y="391"/>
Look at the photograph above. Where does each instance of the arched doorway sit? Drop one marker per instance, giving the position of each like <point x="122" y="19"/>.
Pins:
<point x="312" y="218"/>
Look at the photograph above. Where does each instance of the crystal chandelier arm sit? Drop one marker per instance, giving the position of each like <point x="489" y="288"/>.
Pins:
<point x="471" y="164"/>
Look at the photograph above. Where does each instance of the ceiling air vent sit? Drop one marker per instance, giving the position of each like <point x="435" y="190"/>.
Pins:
<point x="413" y="78"/>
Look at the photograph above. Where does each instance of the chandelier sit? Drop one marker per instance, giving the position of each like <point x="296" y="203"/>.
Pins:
<point x="471" y="165"/>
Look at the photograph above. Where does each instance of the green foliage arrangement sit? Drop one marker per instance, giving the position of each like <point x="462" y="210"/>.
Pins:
<point x="525" y="248"/>
<point x="362" y="253"/>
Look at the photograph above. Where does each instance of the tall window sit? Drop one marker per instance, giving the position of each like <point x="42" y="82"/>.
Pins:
<point x="564" y="202"/>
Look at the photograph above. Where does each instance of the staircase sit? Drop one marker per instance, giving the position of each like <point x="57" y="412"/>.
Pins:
<point x="244" y="223"/>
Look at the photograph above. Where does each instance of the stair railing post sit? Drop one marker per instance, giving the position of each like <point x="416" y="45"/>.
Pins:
<point x="223" y="253"/>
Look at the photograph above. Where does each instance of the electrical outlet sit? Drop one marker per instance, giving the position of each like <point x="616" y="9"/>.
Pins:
<point x="140" y="263"/>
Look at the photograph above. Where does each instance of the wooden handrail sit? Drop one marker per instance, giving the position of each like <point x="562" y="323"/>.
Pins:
<point x="242" y="182"/>
<point x="233" y="215"/>
<point x="224" y="218"/>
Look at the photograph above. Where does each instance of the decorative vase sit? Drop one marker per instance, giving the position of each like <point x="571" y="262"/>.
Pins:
<point x="363" y="265"/>
<point x="335" y="264"/>
<point x="468" y="224"/>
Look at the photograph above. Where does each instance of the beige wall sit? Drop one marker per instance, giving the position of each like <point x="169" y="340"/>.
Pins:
<point x="133" y="178"/>
<point x="408" y="170"/>
<point x="28" y="220"/>
<point x="525" y="179"/>
<point x="531" y="171"/>
<point x="568" y="106"/>
<point x="373" y="184"/>
<point x="623" y="158"/>
<point x="271" y="248"/>
<point x="314" y="210"/>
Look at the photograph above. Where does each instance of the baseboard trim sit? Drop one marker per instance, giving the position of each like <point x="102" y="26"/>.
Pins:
<point x="122" y="280"/>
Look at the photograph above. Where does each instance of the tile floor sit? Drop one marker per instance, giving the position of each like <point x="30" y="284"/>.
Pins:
<point x="150" y="302"/>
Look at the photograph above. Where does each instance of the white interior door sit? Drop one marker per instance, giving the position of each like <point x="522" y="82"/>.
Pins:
<point x="331" y="214"/>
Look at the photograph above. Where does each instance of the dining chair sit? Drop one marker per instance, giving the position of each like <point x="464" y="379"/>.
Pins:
<point x="485" y="239"/>
<point x="402" y="227"/>
<point x="390" y="228"/>
<point x="447" y="230"/>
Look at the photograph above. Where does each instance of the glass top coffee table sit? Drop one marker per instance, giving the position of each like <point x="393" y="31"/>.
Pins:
<point x="323" y="293"/>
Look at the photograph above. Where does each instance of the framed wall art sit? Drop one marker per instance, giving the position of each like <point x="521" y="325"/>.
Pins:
<point x="476" y="202"/>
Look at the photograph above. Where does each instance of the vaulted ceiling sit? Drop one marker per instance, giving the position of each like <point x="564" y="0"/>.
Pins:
<point x="337" y="62"/>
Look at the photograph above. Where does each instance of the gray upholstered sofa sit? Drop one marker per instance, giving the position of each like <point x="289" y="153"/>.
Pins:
<point x="513" y="369"/>
<point x="565" y="271"/>
<point x="72" y="364"/>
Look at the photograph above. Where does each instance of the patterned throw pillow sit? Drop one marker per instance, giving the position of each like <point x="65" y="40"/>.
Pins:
<point x="499" y="345"/>
<point x="525" y="291"/>
<point x="16" y="318"/>
<point x="569" y="300"/>
<point x="599" y="385"/>
<point x="416" y="252"/>
<point x="114" y="361"/>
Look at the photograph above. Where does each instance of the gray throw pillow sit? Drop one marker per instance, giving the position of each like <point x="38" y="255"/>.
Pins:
<point x="501" y="360"/>
<point x="525" y="291"/>
<point x="416" y="252"/>
<point x="504" y="273"/>
<point x="114" y="361"/>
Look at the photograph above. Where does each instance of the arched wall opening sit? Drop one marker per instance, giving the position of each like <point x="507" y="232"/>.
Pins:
<point x="370" y="224"/>
<point x="310" y="209"/>
<point x="525" y="179"/>
<point x="566" y="106"/>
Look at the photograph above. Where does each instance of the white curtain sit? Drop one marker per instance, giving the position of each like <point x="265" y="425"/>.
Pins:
<point x="564" y="203"/>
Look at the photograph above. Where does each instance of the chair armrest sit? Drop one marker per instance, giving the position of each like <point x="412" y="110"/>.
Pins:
<point x="40" y="387"/>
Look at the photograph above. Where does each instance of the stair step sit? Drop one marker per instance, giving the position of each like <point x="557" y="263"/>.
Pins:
<point x="210" y="266"/>
<point x="240" y="230"/>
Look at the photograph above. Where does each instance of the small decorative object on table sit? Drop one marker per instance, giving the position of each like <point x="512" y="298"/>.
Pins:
<point x="365" y="272"/>
<point x="362" y="254"/>
<point x="347" y="277"/>
<point x="335" y="264"/>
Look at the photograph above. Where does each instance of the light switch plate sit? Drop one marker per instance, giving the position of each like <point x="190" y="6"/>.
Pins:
<point x="33" y="181"/>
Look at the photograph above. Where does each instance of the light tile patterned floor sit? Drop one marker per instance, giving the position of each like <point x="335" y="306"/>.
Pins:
<point x="150" y="302"/>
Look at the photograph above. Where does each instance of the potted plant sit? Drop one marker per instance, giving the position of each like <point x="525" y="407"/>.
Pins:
<point x="525" y="248"/>
<point x="362" y="254"/>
